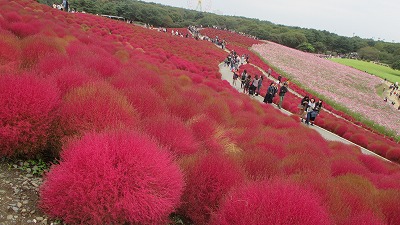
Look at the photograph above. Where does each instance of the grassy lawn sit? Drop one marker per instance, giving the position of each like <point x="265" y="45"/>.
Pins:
<point x="378" y="70"/>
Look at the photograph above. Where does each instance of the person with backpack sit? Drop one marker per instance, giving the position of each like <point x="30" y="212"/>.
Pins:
<point x="282" y="92"/>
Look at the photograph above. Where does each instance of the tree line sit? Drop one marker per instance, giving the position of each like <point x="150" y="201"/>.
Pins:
<point x="309" y="40"/>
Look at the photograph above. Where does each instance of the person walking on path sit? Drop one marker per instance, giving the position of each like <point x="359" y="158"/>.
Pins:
<point x="259" y="85"/>
<point x="235" y="77"/>
<point x="243" y="78"/>
<point x="310" y="108"/>
<point x="271" y="91"/>
<point x="303" y="106"/>
<point x="314" y="113"/>
<point x="247" y="84"/>
<point x="279" y="79"/>
<point x="282" y="92"/>
<point x="269" y="72"/>
<point x="254" y="85"/>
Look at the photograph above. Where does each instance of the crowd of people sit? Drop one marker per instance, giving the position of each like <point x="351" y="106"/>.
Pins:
<point x="308" y="108"/>
<point x="394" y="94"/>
<point x="64" y="6"/>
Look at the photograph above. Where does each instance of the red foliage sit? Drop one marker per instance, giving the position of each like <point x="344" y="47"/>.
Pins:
<point x="70" y="78"/>
<point x="389" y="202"/>
<point x="28" y="109"/>
<point x="146" y="101"/>
<point x="276" y="202"/>
<point x="261" y="165"/>
<point x="96" y="106"/>
<point x="35" y="48"/>
<point x="22" y="29"/>
<point x="393" y="154"/>
<point x="9" y="48"/>
<point x="172" y="133"/>
<point x="376" y="165"/>
<point x="364" y="218"/>
<point x="343" y="166"/>
<point x="207" y="182"/>
<point x="112" y="178"/>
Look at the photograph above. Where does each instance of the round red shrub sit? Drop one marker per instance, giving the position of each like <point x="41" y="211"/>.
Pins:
<point x="359" y="139"/>
<point x="23" y="29"/>
<point x="146" y="101"/>
<point x="375" y="164"/>
<point x="112" y="178"/>
<point x="172" y="133"/>
<point x="12" y="17"/>
<point x="36" y="47"/>
<point x="364" y="218"/>
<point x="276" y="202"/>
<point x="69" y="78"/>
<point x="379" y="147"/>
<point x="96" y="106"/>
<point x="343" y="166"/>
<point x="207" y="182"/>
<point x="389" y="201"/>
<point x="28" y="109"/>
<point x="260" y="165"/>
<point x="9" y="48"/>
<point x="393" y="154"/>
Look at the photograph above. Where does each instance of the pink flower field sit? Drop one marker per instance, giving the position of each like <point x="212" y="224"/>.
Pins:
<point x="346" y="86"/>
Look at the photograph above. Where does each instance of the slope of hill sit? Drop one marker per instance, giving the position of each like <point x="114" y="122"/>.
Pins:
<point x="145" y="128"/>
<point x="310" y="40"/>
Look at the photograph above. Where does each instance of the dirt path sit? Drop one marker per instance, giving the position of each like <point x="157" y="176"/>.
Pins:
<point x="227" y="75"/>
<point x="19" y="195"/>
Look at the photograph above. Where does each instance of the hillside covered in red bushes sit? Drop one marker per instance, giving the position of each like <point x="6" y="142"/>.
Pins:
<point x="144" y="127"/>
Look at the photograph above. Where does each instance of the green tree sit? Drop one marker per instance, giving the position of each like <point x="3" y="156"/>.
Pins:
<point x="293" y="39"/>
<point x="306" y="47"/>
<point x="319" y="47"/>
<point x="368" y="53"/>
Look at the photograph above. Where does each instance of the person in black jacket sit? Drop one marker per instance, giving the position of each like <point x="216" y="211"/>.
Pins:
<point x="271" y="91"/>
<point x="282" y="93"/>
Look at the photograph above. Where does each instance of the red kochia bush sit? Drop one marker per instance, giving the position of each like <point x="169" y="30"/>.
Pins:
<point x="172" y="133"/>
<point x="96" y="106"/>
<point x="28" y="109"/>
<point x="112" y="178"/>
<point x="207" y="182"/>
<point x="277" y="202"/>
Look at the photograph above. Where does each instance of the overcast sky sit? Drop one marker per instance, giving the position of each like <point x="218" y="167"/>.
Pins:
<point x="363" y="18"/>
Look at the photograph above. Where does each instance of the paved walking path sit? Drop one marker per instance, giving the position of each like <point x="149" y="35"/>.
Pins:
<point x="227" y="75"/>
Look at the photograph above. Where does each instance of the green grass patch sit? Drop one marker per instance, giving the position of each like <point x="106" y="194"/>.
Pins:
<point x="378" y="128"/>
<point x="372" y="68"/>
